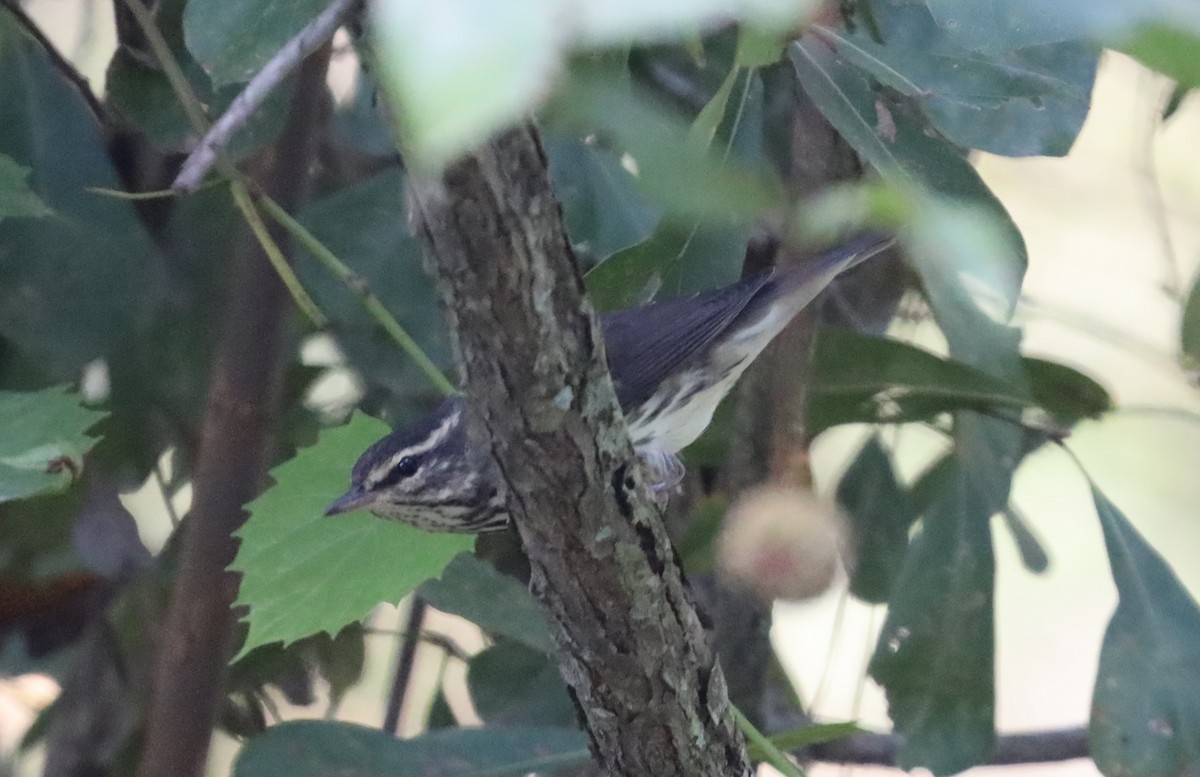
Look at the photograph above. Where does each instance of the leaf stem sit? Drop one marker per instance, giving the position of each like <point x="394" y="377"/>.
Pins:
<point x="358" y="285"/>
<point x="764" y="747"/>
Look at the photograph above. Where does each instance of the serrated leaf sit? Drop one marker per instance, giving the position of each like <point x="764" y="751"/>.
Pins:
<point x="322" y="748"/>
<point x="1146" y="705"/>
<point x="232" y="39"/>
<point x="42" y="441"/>
<point x="303" y="573"/>
<point x="17" y="200"/>
<point x="496" y="603"/>
<point x="880" y="516"/>
<point x="935" y="656"/>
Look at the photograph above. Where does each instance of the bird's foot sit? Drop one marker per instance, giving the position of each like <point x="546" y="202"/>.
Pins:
<point x="664" y="468"/>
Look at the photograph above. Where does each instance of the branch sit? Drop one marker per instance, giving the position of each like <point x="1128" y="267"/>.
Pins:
<point x="632" y="650"/>
<point x="242" y="406"/>
<point x="1011" y="749"/>
<point x="314" y="35"/>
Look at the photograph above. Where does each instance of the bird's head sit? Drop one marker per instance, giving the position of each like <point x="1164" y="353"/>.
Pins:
<point x="426" y="475"/>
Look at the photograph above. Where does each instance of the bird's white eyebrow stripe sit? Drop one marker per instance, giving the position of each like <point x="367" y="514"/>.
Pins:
<point x="440" y="432"/>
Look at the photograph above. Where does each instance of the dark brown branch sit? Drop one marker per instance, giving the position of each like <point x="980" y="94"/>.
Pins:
<point x="1011" y="749"/>
<point x="410" y="638"/>
<point x="242" y="406"/>
<point x="632" y="650"/>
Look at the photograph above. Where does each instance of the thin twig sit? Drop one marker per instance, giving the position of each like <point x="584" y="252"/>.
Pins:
<point x="766" y="748"/>
<point x="358" y="285"/>
<point x="308" y="40"/>
<point x="275" y="255"/>
<point x="404" y="665"/>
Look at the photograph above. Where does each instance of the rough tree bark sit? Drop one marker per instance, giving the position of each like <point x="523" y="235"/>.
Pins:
<point x="632" y="649"/>
<point x="242" y="405"/>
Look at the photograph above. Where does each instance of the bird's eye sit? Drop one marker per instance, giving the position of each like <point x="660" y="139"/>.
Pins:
<point x="405" y="468"/>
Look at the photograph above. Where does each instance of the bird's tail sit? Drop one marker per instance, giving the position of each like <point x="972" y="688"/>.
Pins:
<point x="799" y="285"/>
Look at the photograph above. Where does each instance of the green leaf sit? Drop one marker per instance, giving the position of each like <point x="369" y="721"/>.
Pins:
<point x="1067" y="394"/>
<point x="1013" y="24"/>
<point x="602" y="207"/>
<point x="232" y="39"/>
<point x="42" y="441"/>
<point x="690" y="257"/>
<point x="359" y="225"/>
<point x="459" y="70"/>
<point x="936" y="653"/>
<point x="17" y="200"/>
<point x="303" y="573"/>
<point x="78" y="282"/>
<point x="143" y="96"/>
<point x="1170" y="50"/>
<point x="322" y="748"/>
<point x="1189" y="330"/>
<point x="880" y="516"/>
<point x="816" y="734"/>
<point x="513" y="685"/>
<point x="893" y="135"/>
<point x="496" y="603"/>
<point x="1146" y="705"/>
<point x="859" y="378"/>
<point x="1018" y="103"/>
<point x="682" y="177"/>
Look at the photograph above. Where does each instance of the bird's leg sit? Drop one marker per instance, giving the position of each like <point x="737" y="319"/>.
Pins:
<point x="664" y="468"/>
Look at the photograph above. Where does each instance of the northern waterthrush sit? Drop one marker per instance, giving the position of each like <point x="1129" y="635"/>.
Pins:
<point x="671" y="362"/>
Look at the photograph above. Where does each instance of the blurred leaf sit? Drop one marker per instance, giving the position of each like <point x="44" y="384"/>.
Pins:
<point x="1189" y="334"/>
<point x="892" y="134"/>
<point x="807" y="736"/>
<point x="17" y="200"/>
<point x="232" y="39"/>
<point x="360" y="224"/>
<point x="513" y="685"/>
<point x="42" y="441"/>
<point x="341" y="660"/>
<point x="1067" y="394"/>
<point x="75" y="283"/>
<point x="322" y="748"/>
<point x="496" y="603"/>
<point x="697" y="548"/>
<point x="616" y="21"/>
<point x="862" y="378"/>
<point x="602" y="207"/>
<point x="683" y="178"/>
<point x="459" y="70"/>
<point x="1178" y="94"/>
<point x="880" y="515"/>
<point x="1012" y="24"/>
<point x="303" y="573"/>
<point x="1033" y="554"/>
<point x="691" y="257"/>
<point x="936" y="653"/>
<point x="1017" y="103"/>
<point x="1146" y="704"/>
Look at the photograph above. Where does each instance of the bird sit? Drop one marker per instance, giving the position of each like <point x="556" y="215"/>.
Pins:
<point x="672" y="362"/>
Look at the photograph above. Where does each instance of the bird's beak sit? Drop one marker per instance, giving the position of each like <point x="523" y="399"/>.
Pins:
<point x="351" y="500"/>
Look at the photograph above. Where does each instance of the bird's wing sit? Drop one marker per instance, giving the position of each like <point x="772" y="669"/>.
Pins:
<point x="648" y="344"/>
<point x="645" y="345"/>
